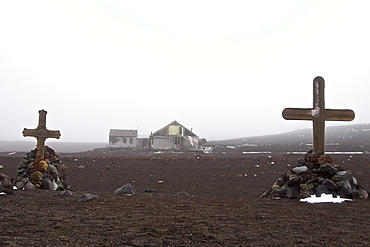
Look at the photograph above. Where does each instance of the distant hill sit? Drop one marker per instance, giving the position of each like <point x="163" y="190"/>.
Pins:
<point x="60" y="147"/>
<point x="338" y="138"/>
<point x="352" y="138"/>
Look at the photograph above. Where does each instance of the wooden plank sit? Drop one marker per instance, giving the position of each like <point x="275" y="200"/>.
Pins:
<point x="297" y="114"/>
<point x="42" y="133"/>
<point x="307" y="114"/>
<point x="339" y="115"/>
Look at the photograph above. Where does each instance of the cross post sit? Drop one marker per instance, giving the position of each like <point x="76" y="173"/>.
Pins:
<point x="41" y="134"/>
<point x="318" y="114"/>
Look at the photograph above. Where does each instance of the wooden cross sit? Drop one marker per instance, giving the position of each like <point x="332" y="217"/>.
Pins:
<point x="41" y="133"/>
<point x="318" y="114"/>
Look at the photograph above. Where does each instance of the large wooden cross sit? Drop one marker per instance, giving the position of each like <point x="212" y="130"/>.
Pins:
<point x="318" y="114"/>
<point x="41" y="133"/>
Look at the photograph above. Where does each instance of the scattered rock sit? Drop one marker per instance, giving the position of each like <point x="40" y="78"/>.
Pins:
<point x="6" y="184"/>
<point x="66" y="193"/>
<point x="29" y="186"/>
<point x="150" y="191"/>
<point x="87" y="197"/>
<point x="183" y="193"/>
<point x="127" y="189"/>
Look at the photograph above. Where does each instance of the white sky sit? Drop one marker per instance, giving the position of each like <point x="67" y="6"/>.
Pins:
<point x="227" y="69"/>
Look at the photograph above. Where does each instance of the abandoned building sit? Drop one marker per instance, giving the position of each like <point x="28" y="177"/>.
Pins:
<point x="175" y="136"/>
<point x="119" y="138"/>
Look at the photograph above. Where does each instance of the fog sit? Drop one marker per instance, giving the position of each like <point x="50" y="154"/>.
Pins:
<point x="224" y="69"/>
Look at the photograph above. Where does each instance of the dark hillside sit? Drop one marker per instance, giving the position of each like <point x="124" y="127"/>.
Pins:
<point x="338" y="138"/>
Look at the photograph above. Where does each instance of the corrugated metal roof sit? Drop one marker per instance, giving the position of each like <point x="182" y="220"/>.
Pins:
<point x="127" y="133"/>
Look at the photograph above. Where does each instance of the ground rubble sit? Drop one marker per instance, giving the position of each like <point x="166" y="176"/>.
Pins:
<point x="41" y="172"/>
<point x="180" y="201"/>
<point x="316" y="174"/>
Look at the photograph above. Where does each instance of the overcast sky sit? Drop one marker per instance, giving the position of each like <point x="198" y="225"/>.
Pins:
<point x="226" y="69"/>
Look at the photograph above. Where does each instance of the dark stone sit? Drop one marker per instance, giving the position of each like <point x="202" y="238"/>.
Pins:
<point x="301" y="161"/>
<point x="293" y="192"/>
<point x="307" y="187"/>
<point x="275" y="192"/>
<point x="304" y="194"/>
<point x="345" y="188"/>
<point x="311" y="181"/>
<point x="330" y="185"/>
<point x="87" y="197"/>
<point x="283" y="192"/>
<point x="6" y="184"/>
<point x="343" y="175"/>
<point x="320" y="180"/>
<point x="362" y="193"/>
<point x="310" y="165"/>
<point x="46" y="184"/>
<point x="29" y="186"/>
<point x="321" y="189"/>
<point x="150" y="191"/>
<point x="336" y="178"/>
<point x="127" y="189"/>
<point x="316" y="181"/>
<point x="280" y="182"/>
<point x="294" y="182"/>
<point x="285" y="176"/>
<point x="327" y="170"/>
<point x="66" y="193"/>
<point x="278" y="192"/>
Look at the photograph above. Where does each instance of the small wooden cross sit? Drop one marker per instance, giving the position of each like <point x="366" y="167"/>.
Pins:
<point x="41" y="133"/>
<point x="318" y="114"/>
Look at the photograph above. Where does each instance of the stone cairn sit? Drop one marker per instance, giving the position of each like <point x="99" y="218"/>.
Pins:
<point x="313" y="175"/>
<point x="46" y="172"/>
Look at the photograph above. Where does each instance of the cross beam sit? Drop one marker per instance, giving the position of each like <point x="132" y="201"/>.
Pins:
<point x="318" y="114"/>
<point x="41" y="133"/>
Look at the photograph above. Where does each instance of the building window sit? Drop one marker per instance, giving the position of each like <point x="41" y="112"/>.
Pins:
<point x="125" y="140"/>
<point x="131" y="141"/>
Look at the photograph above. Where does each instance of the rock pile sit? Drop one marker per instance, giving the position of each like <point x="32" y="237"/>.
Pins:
<point x="316" y="174"/>
<point x="42" y="173"/>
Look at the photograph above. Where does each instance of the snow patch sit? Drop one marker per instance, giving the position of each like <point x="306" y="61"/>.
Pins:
<point x="324" y="198"/>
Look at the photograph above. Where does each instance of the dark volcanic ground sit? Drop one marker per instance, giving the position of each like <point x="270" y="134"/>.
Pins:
<point x="224" y="207"/>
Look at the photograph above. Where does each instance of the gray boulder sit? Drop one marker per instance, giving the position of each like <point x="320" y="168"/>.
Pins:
<point x="292" y="192"/>
<point x="330" y="185"/>
<point x="127" y="189"/>
<point x="363" y="194"/>
<point x="6" y="184"/>
<point x="66" y="193"/>
<point x="302" y="170"/>
<point x="321" y="189"/>
<point x="327" y="170"/>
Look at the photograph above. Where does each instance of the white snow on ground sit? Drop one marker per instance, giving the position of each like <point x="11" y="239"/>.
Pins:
<point x="324" y="198"/>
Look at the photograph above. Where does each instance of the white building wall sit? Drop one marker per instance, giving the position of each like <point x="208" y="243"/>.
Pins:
<point x="162" y="142"/>
<point x="123" y="142"/>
